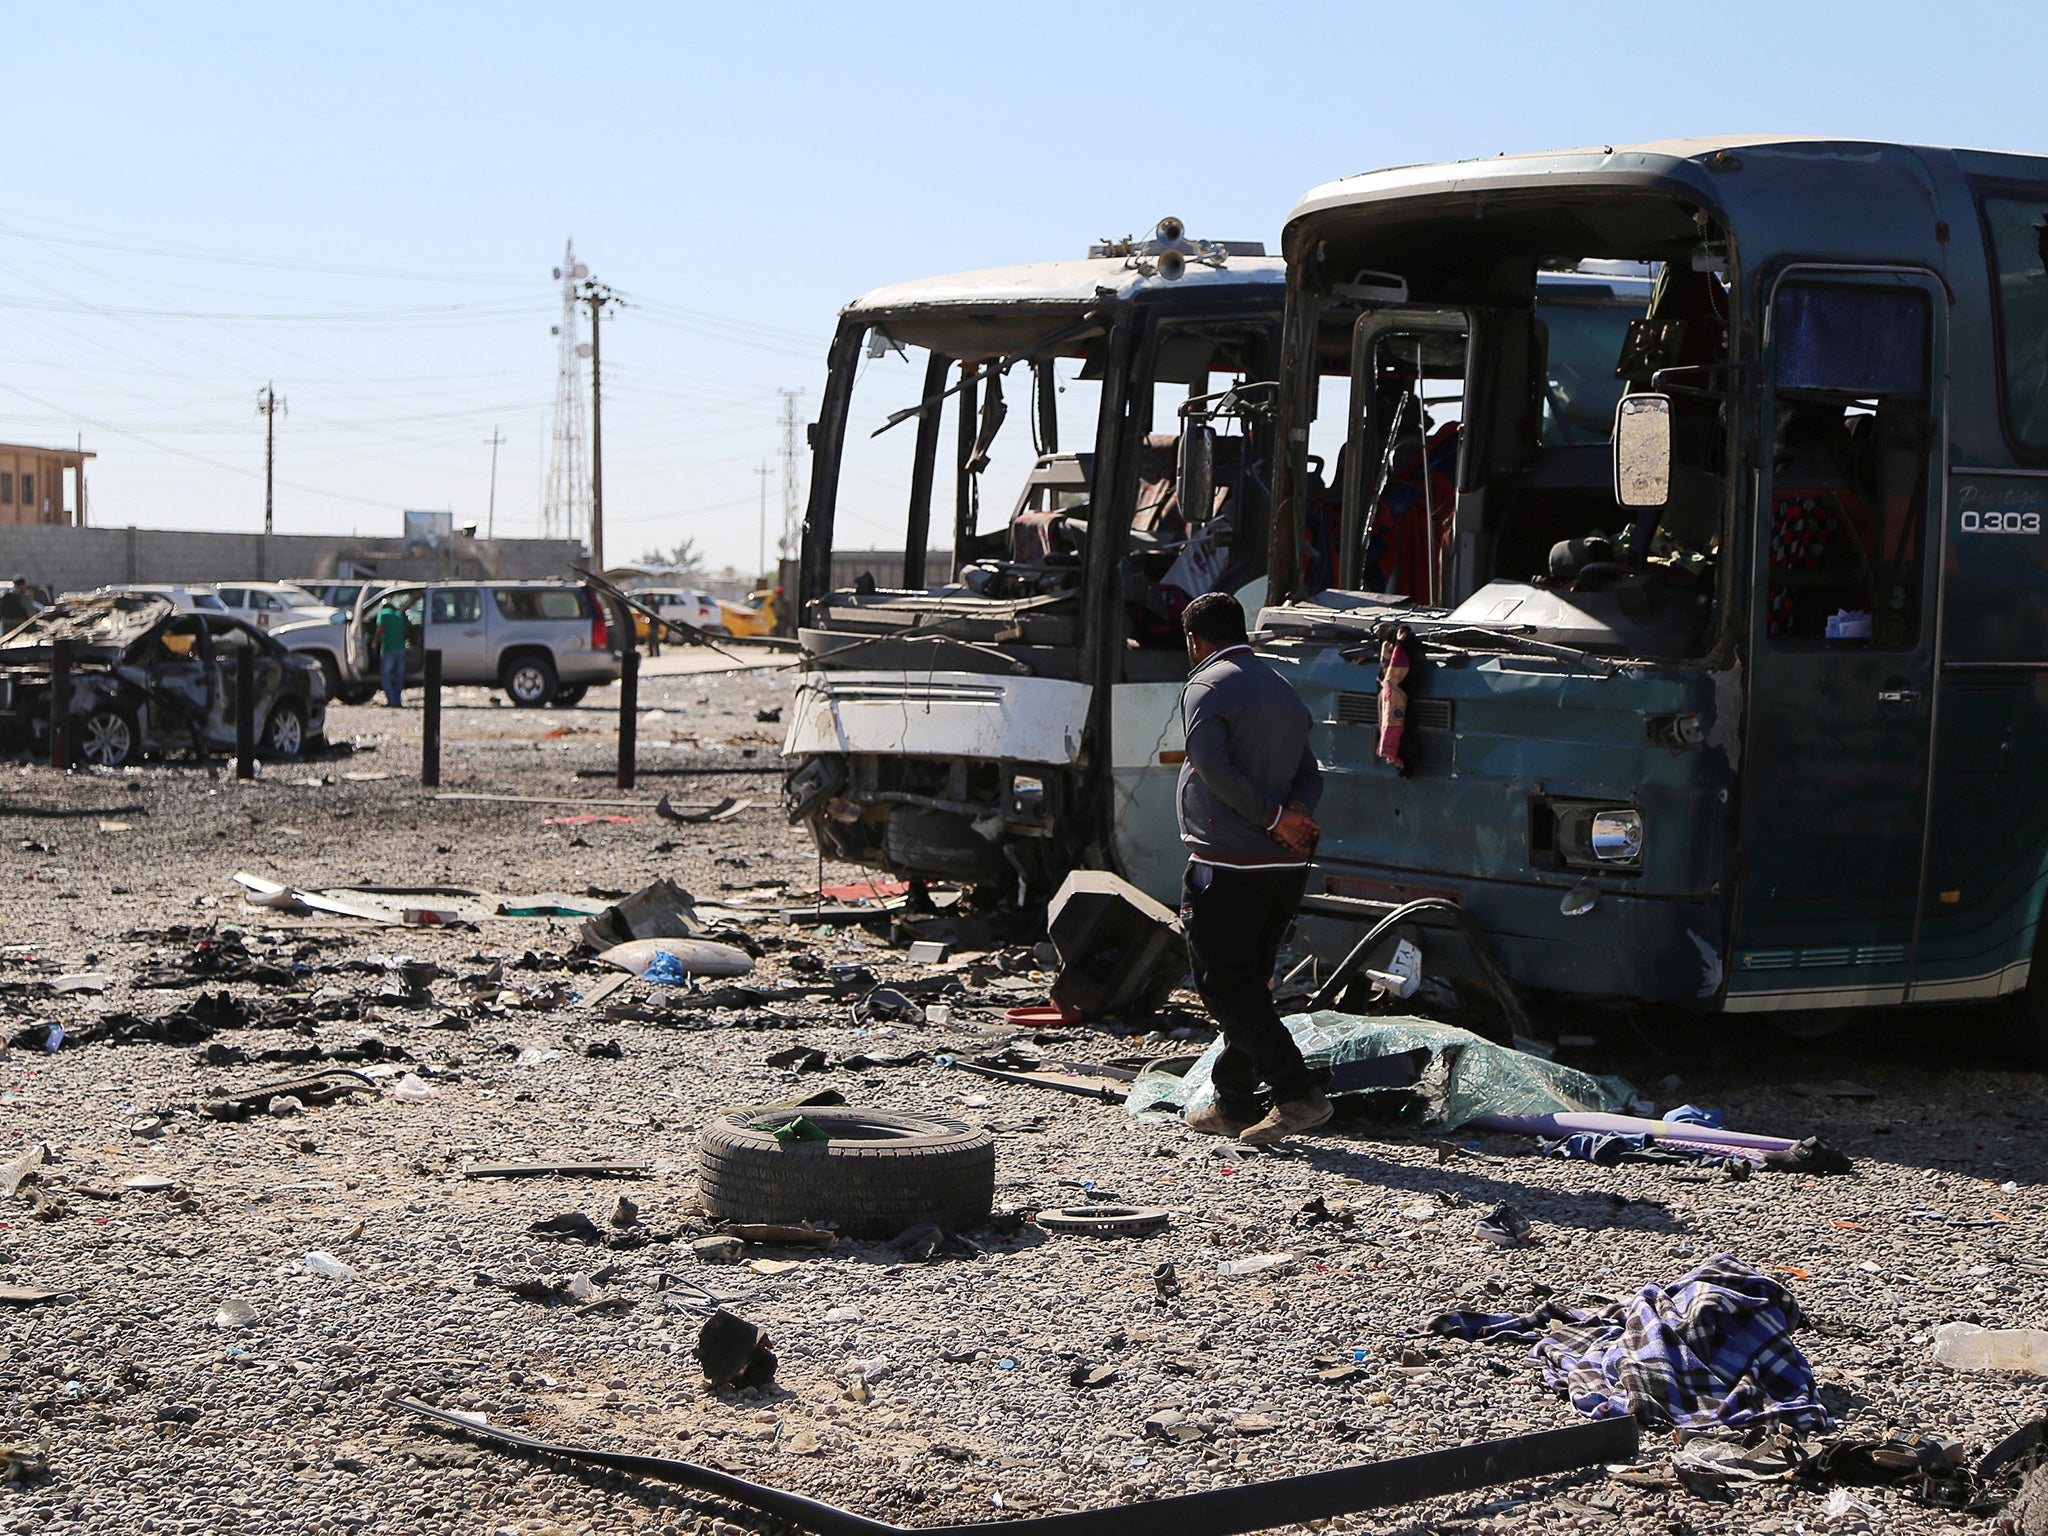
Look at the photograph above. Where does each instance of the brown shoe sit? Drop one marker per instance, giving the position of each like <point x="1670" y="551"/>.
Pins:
<point x="1285" y="1119"/>
<point x="1211" y="1120"/>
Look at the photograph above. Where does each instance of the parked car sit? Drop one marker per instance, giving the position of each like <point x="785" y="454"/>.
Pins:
<point x="744" y="622"/>
<point x="149" y="679"/>
<point x="274" y="604"/>
<point x="341" y="594"/>
<point x="543" y="642"/>
<point x="187" y="599"/>
<point x="700" y="610"/>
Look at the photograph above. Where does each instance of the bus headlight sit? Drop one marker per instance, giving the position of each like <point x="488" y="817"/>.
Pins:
<point x="1616" y="836"/>
<point x="1586" y="835"/>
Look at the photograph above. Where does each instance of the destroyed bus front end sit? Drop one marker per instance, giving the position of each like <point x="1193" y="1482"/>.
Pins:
<point x="1583" y="845"/>
<point x="1672" y="579"/>
<point x="996" y="701"/>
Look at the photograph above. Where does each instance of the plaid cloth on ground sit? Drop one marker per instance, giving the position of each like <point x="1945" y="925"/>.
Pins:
<point x="1714" y="1350"/>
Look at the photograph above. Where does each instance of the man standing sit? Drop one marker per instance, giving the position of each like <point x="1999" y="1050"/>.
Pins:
<point x="390" y="628"/>
<point x="1248" y="787"/>
<point x="17" y="605"/>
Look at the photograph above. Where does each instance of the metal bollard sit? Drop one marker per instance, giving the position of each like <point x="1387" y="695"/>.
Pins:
<point x="245" y="712"/>
<point x="60" y="704"/>
<point x="629" y="714"/>
<point x="430" y="721"/>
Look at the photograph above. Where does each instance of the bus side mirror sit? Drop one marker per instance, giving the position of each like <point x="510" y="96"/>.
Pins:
<point x="1195" y="474"/>
<point x="1642" y="450"/>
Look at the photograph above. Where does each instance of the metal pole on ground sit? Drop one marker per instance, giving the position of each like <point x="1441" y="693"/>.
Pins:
<point x="629" y="714"/>
<point x="60" y="704"/>
<point x="430" y="720"/>
<point x="245" y="712"/>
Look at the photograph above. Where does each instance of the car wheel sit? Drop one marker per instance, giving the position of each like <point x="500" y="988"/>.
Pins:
<point x="359" y="693"/>
<point x="721" y="631"/>
<point x="530" y="681"/>
<point x="284" y="733"/>
<point x="566" y="698"/>
<point x="330" y="674"/>
<point x="106" y="738"/>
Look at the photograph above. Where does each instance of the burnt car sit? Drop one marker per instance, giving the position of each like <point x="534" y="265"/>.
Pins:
<point x="149" y="679"/>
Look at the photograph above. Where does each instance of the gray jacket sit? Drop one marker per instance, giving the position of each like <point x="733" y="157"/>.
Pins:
<point x="1248" y="759"/>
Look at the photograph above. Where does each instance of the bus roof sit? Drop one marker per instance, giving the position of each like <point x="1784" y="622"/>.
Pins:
<point x="1722" y="171"/>
<point x="1057" y="283"/>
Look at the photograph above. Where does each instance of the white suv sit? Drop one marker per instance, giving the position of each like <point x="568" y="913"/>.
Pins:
<point x="274" y="604"/>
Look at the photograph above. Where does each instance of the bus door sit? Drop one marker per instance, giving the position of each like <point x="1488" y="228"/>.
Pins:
<point x="1843" y="637"/>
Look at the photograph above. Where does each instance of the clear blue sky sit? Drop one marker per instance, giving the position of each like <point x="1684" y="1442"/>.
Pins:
<point x="745" y="170"/>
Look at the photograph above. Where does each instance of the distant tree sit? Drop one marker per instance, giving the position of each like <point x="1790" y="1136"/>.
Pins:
<point x="685" y="557"/>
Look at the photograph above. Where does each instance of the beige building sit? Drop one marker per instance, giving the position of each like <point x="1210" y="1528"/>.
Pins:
<point x="32" y="486"/>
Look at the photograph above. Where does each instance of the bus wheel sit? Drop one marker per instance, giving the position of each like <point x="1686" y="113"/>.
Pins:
<point x="2023" y="1017"/>
<point x="1813" y="1024"/>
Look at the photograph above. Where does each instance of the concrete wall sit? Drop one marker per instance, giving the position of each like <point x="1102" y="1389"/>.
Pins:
<point x="78" y="559"/>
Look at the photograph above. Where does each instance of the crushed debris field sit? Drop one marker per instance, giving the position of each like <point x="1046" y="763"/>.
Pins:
<point x="216" y="1309"/>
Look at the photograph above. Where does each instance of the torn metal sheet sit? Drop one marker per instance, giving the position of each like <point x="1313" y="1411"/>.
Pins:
<point x="693" y="815"/>
<point x="32" y="1296"/>
<point x="1112" y="1084"/>
<point x="1214" y="1512"/>
<point x="587" y="803"/>
<point x="662" y="910"/>
<point x="566" y="1170"/>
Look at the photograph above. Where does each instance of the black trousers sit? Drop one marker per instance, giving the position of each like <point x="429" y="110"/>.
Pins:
<point x="1235" y="920"/>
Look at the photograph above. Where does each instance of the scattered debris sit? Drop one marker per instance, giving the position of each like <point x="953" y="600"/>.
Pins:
<point x="684" y="958"/>
<point x="1712" y="1350"/>
<point x="1106" y="1220"/>
<point x="563" y="1170"/>
<point x="1506" y="1227"/>
<point x="733" y="1352"/>
<point x="662" y="910"/>
<point x="1414" y="1072"/>
<point x="316" y="1088"/>
<point x="694" y="815"/>
<point x="1120" y="952"/>
<point x="19" y="1169"/>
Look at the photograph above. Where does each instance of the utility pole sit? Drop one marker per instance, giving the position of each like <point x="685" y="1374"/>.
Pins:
<point x="597" y="296"/>
<point x="761" y="554"/>
<point x="267" y="406"/>
<point x="792" y="536"/>
<point x="496" y="440"/>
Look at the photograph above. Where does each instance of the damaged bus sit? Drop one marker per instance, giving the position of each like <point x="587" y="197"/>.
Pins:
<point x="1004" y="705"/>
<point x="1723" y="701"/>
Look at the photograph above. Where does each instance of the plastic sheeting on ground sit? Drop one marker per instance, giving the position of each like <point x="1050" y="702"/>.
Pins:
<point x="1401" y="1070"/>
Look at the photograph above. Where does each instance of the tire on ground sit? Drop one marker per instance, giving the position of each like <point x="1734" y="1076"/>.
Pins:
<point x="877" y="1176"/>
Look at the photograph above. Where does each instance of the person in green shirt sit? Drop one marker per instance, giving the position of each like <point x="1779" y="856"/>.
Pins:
<point x="390" y="627"/>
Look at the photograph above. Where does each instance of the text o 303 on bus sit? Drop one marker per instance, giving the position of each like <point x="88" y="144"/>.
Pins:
<point x="2000" y="522"/>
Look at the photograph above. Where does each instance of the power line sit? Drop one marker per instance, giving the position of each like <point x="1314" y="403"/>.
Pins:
<point x="273" y="263"/>
<point x="270" y="317"/>
<point x="181" y="453"/>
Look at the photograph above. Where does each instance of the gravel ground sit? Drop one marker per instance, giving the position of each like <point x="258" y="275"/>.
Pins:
<point x="156" y="1418"/>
